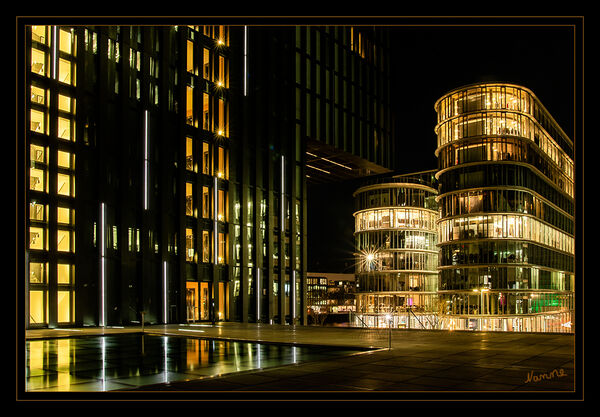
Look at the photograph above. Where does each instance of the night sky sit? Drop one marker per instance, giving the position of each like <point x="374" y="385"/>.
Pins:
<point x="427" y="62"/>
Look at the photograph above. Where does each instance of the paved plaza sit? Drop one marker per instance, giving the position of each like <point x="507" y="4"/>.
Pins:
<point x="419" y="362"/>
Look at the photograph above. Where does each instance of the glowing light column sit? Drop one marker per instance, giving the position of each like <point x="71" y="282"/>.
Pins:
<point x="245" y="60"/>
<point x="165" y="317"/>
<point x="146" y="163"/>
<point x="102" y="265"/>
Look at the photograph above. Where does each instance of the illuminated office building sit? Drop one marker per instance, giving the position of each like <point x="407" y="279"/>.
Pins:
<point x="397" y="256"/>
<point x="136" y="182"/>
<point x="163" y="168"/>
<point x="506" y="197"/>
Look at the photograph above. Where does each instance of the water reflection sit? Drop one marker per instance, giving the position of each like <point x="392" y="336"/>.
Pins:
<point x="128" y="361"/>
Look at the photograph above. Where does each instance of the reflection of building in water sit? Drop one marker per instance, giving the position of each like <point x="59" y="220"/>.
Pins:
<point x="395" y="240"/>
<point x="506" y="233"/>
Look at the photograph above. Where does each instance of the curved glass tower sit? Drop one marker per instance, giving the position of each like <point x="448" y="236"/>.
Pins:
<point x="506" y="197"/>
<point x="395" y="241"/>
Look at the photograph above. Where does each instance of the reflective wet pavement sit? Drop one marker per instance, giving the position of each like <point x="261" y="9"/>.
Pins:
<point x="420" y="362"/>
<point x="129" y="361"/>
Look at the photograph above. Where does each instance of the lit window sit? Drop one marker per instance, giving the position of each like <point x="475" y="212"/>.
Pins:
<point x="37" y="180"/>
<point x="64" y="128"/>
<point x="63" y="184"/>
<point x="189" y="154"/>
<point x="38" y="62"/>
<point x="205" y="203"/>
<point x="189" y="245"/>
<point x="64" y="103"/>
<point x="63" y="240"/>
<point x="205" y="112"/>
<point x="38" y="273"/>
<point x="66" y="39"/>
<point x="205" y="246"/>
<point x="37" y="212"/>
<point x="189" y="199"/>
<point x="189" y="106"/>
<point x="63" y="273"/>
<point x="37" y="307"/>
<point x="206" y="65"/>
<point x="64" y="306"/>
<point x="37" y="238"/>
<point x="222" y="244"/>
<point x="38" y="95"/>
<point x="38" y="121"/>
<point x="64" y="71"/>
<point x="190" y="56"/>
<point x="40" y="34"/>
<point x="37" y="153"/>
<point x="64" y="215"/>
<point x="64" y="159"/>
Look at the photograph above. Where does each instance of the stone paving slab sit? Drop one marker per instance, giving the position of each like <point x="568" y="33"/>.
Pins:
<point x="418" y="361"/>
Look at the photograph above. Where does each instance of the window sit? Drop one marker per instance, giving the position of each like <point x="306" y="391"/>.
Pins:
<point x="65" y="215"/>
<point x="38" y="122"/>
<point x="221" y="207"/>
<point x="37" y="180"/>
<point x="205" y="112"/>
<point x="205" y="203"/>
<point x="205" y="158"/>
<point x="189" y="154"/>
<point x="64" y="186"/>
<point x="205" y="246"/>
<point x="37" y="238"/>
<point x="223" y="80"/>
<point x="37" y="212"/>
<point x="40" y="34"/>
<point x="65" y="73"/>
<point x="221" y="163"/>
<point x="38" y="95"/>
<point x="190" y="57"/>
<point x="66" y="41"/>
<point x="37" y="307"/>
<point x="206" y="65"/>
<point x="37" y="153"/>
<point x="66" y="104"/>
<point x="189" y="245"/>
<point x="189" y="199"/>
<point x="64" y="160"/>
<point x="38" y="273"/>
<point x="65" y="130"/>
<point x="189" y="106"/>
<point x="64" y="306"/>
<point x="222" y="245"/>
<point x="38" y="62"/>
<point x="63" y="240"/>
<point x="63" y="273"/>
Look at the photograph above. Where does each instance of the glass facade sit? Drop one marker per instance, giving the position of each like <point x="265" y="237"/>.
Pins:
<point x="506" y="231"/>
<point x="145" y="191"/>
<point x="51" y="150"/>
<point x="397" y="256"/>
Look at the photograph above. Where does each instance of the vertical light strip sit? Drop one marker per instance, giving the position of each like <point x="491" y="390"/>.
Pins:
<point x="257" y="294"/>
<point x="166" y="373"/>
<point x="245" y="59"/>
<point x="282" y="225"/>
<point x="165" y="292"/>
<point x="215" y="221"/>
<point x="293" y="295"/>
<point x="54" y="52"/>
<point x="103" y="348"/>
<point x="146" y="160"/>
<point x="283" y="195"/>
<point x="102" y="265"/>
